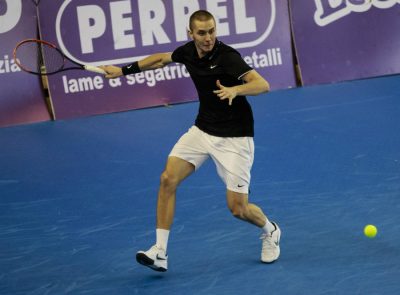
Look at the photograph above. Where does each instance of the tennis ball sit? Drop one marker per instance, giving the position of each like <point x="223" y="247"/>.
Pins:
<point x="370" y="231"/>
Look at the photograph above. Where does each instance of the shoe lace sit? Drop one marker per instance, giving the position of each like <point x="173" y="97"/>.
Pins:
<point x="267" y="241"/>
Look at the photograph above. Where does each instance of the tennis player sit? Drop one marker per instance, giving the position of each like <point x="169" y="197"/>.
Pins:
<point x="223" y="130"/>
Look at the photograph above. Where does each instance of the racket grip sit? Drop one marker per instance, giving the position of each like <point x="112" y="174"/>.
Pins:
<point x="94" y="69"/>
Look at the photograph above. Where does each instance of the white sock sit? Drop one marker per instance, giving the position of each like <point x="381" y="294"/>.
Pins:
<point x="162" y="238"/>
<point x="268" y="227"/>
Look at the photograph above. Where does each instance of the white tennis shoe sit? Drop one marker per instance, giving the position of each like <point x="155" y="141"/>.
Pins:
<point x="270" y="245"/>
<point x="155" y="258"/>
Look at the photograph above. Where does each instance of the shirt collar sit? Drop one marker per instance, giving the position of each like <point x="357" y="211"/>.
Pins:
<point x="209" y="55"/>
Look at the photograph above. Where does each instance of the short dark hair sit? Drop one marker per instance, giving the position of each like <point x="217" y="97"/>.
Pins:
<point x="201" y="15"/>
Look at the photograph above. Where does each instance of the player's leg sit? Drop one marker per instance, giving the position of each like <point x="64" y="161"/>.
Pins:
<point x="175" y="171"/>
<point x="241" y="208"/>
<point x="186" y="156"/>
<point x="233" y="158"/>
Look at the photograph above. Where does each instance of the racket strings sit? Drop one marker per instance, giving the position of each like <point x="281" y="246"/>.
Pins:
<point x="40" y="58"/>
<point x="51" y="58"/>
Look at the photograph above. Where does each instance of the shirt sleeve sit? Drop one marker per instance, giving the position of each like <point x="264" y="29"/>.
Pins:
<point x="177" y="55"/>
<point x="234" y="64"/>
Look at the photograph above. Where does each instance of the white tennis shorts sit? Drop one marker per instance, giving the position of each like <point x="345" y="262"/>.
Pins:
<point x="233" y="156"/>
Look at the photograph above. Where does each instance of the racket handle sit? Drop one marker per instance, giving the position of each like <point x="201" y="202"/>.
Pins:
<point x="94" y="69"/>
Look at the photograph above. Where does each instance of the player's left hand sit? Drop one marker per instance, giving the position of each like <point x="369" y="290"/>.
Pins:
<point x="225" y="92"/>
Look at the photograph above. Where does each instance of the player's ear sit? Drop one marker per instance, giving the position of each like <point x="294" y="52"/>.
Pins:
<point x="190" y="33"/>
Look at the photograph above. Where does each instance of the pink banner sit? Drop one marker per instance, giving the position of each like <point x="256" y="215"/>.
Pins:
<point x="345" y="40"/>
<point x="21" y="96"/>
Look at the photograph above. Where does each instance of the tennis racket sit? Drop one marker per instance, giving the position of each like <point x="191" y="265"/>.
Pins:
<point x="43" y="58"/>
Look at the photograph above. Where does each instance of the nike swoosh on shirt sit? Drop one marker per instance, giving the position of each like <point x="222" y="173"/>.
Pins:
<point x="213" y="66"/>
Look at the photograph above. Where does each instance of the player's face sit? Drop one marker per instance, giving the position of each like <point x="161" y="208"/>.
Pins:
<point x="203" y="34"/>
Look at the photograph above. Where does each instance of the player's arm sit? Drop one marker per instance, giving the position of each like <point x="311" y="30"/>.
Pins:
<point x="254" y="84"/>
<point x="155" y="61"/>
<point x="151" y="62"/>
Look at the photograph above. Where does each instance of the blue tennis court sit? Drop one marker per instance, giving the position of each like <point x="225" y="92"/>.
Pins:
<point x="78" y="200"/>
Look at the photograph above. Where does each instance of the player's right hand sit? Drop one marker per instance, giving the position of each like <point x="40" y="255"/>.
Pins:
<point x="112" y="71"/>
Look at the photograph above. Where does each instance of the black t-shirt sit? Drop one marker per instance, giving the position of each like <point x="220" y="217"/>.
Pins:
<point x="216" y="117"/>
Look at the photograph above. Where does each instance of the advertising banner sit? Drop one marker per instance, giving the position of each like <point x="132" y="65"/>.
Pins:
<point x="346" y="39"/>
<point x="21" y="94"/>
<point x="122" y="31"/>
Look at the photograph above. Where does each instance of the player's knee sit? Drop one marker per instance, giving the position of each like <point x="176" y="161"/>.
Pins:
<point x="238" y="211"/>
<point x="167" y="181"/>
